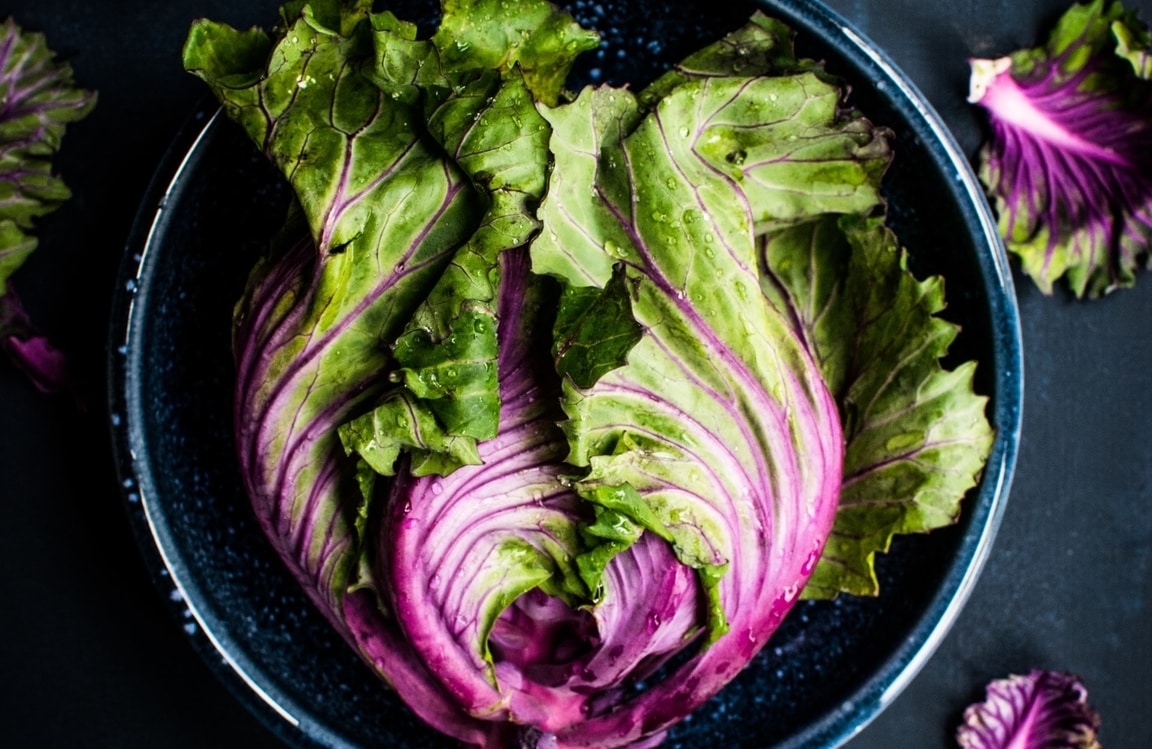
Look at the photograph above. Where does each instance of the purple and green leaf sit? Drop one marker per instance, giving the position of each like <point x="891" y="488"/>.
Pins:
<point x="1069" y="162"/>
<point x="38" y="100"/>
<point x="707" y="420"/>
<point x="315" y="334"/>
<point x="312" y="333"/>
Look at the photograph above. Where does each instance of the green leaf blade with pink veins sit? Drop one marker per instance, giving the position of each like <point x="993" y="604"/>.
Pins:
<point x="916" y="434"/>
<point x="718" y="421"/>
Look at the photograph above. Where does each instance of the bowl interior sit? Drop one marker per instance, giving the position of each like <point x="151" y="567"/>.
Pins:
<point x="214" y="204"/>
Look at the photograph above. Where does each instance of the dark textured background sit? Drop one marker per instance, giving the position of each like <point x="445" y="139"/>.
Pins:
<point x="91" y="657"/>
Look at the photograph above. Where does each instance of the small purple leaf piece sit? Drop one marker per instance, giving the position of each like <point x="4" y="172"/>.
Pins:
<point x="1042" y="710"/>
<point x="44" y="364"/>
<point x="28" y="350"/>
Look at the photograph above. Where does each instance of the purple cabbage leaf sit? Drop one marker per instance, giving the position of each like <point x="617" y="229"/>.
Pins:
<point x="1069" y="161"/>
<point x="719" y="421"/>
<point x="1037" y="710"/>
<point x="916" y="435"/>
<point x="38" y="100"/>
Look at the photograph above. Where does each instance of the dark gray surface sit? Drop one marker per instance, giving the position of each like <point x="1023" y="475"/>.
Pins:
<point x="90" y="656"/>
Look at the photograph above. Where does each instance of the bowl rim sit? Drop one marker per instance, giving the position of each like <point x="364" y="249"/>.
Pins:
<point x="985" y="509"/>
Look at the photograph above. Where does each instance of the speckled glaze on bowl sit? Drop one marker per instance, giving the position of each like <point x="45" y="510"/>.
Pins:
<point x="214" y="202"/>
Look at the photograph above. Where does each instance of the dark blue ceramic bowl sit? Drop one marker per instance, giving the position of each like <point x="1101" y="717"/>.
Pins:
<point x="830" y="669"/>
